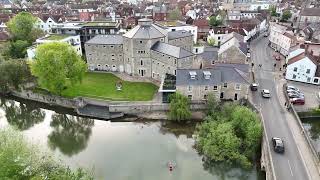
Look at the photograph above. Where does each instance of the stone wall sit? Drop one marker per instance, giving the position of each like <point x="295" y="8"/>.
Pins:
<point x="198" y="92"/>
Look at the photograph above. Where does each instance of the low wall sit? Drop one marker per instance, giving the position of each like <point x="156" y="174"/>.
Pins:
<point x="137" y="108"/>
<point x="298" y="120"/>
<point x="48" y="99"/>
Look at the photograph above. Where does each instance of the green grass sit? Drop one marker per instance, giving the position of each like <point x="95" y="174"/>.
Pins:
<point x="103" y="86"/>
<point x="57" y="37"/>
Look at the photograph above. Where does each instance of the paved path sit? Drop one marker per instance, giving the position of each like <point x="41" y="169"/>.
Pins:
<point x="297" y="162"/>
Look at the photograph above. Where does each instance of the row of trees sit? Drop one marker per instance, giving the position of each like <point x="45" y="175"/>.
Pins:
<point x="286" y="14"/>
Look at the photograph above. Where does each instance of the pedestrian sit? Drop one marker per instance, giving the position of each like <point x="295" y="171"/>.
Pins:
<point x="252" y="64"/>
<point x="260" y="65"/>
<point x="280" y="69"/>
<point x="285" y="104"/>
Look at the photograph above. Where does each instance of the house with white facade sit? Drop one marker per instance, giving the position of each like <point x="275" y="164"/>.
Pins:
<point x="73" y="41"/>
<point x="172" y="26"/>
<point x="281" y="40"/>
<point x="222" y="34"/>
<point x="301" y="67"/>
<point x="46" y="22"/>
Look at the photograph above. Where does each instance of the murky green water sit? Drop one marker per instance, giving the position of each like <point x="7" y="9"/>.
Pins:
<point x="312" y="125"/>
<point x="117" y="150"/>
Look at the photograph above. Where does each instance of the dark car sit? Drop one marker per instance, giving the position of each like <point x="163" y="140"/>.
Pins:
<point x="297" y="101"/>
<point x="254" y="87"/>
<point x="278" y="145"/>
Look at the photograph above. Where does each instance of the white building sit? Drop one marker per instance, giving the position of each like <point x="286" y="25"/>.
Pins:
<point x="280" y="39"/>
<point x="301" y="67"/>
<point x="74" y="41"/>
<point x="179" y="25"/>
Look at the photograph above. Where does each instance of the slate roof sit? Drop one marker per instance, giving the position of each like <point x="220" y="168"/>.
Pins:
<point x="106" y="39"/>
<point x="310" y="12"/>
<point x="209" y="54"/>
<point x="146" y="32"/>
<point x="243" y="47"/>
<point x="178" y="34"/>
<point x="171" y="50"/>
<point x="219" y="74"/>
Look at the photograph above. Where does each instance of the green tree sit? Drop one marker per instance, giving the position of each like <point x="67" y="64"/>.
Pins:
<point x="286" y="15"/>
<point x="174" y="14"/>
<point x="179" y="107"/>
<point x="211" y="41"/>
<point x="215" y="21"/>
<point x="13" y="73"/>
<point x="213" y="106"/>
<point x="273" y="11"/>
<point x="18" y="49"/>
<point x="21" y="27"/>
<point x="57" y="66"/>
<point x="235" y="129"/>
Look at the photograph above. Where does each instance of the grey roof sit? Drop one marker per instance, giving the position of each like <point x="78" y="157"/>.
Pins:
<point x="209" y="54"/>
<point x="106" y="39"/>
<point x="310" y="12"/>
<point x="171" y="50"/>
<point x="178" y="34"/>
<point x="219" y="74"/>
<point x="146" y="32"/>
<point x="243" y="47"/>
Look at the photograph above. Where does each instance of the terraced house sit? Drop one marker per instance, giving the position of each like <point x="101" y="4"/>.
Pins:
<point x="147" y="50"/>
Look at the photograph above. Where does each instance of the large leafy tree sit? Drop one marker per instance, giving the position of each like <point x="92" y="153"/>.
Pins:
<point x="18" y="49"/>
<point x="21" y="26"/>
<point x="286" y="15"/>
<point x="215" y="21"/>
<point x="13" y="73"/>
<point x="179" y="107"/>
<point x="231" y="134"/>
<point x="57" y="66"/>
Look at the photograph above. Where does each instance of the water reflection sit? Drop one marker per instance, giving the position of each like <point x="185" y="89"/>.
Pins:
<point x="20" y="115"/>
<point x="314" y="130"/>
<point x="70" y="133"/>
<point x="177" y="129"/>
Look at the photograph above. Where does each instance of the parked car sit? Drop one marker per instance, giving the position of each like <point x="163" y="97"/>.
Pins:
<point x="265" y="93"/>
<point x="298" y="101"/>
<point x="293" y="91"/>
<point x="292" y="88"/>
<point x="254" y="87"/>
<point x="278" y="145"/>
<point x="296" y="94"/>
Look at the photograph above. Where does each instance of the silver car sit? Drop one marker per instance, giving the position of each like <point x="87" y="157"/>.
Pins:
<point x="265" y="93"/>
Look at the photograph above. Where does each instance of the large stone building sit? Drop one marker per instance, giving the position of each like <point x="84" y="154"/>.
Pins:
<point x="147" y="51"/>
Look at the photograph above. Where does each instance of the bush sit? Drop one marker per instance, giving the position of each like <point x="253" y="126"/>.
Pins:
<point x="179" y="107"/>
<point x="20" y="160"/>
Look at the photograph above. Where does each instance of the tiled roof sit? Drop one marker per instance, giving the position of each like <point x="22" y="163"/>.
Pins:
<point x="171" y="50"/>
<point x="220" y="73"/>
<point x="310" y="12"/>
<point x="146" y="32"/>
<point x="106" y="39"/>
<point x="178" y="34"/>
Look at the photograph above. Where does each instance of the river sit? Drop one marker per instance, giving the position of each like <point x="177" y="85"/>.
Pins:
<point x="312" y="125"/>
<point x="116" y="150"/>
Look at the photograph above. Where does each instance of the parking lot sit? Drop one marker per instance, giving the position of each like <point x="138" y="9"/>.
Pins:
<point x="310" y="93"/>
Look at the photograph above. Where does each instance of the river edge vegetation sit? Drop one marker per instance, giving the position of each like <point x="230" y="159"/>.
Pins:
<point x="230" y="134"/>
<point x="21" y="160"/>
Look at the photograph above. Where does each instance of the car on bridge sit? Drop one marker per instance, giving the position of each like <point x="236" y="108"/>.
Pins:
<point x="265" y="93"/>
<point x="278" y="145"/>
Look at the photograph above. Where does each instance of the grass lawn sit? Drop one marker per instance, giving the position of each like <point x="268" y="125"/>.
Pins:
<point x="103" y="86"/>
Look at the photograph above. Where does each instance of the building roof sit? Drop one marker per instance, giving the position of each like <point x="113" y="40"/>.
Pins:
<point x="178" y="34"/>
<point x="106" y="39"/>
<point x="299" y="58"/>
<point x="310" y="12"/>
<point x="219" y="74"/>
<point x="171" y="50"/>
<point x="209" y="54"/>
<point x="295" y="53"/>
<point x="146" y="32"/>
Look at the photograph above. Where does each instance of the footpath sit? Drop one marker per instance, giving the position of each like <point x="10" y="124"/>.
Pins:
<point x="306" y="152"/>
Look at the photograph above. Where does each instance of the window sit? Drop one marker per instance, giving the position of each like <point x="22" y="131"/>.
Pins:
<point x="205" y="96"/>
<point x="112" y="55"/>
<point x="238" y="87"/>
<point x="190" y="97"/>
<point x="212" y="62"/>
<point x="295" y="69"/>
<point x="221" y="95"/>
<point x="111" y="46"/>
<point x="294" y="76"/>
<point x="140" y="42"/>
<point x="225" y="85"/>
<point x="308" y="79"/>
<point x="215" y="88"/>
<point x="206" y="88"/>
<point x="308" y="71"/>
<point x="141" y="63"/>
<point x="190" y="88"/>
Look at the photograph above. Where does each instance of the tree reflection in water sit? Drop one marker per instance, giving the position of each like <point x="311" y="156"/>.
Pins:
<point x="177" y="128"/>
<point x="70" y="133"/>
<point x="314" y="124"/>
<point x="22" y="116"/>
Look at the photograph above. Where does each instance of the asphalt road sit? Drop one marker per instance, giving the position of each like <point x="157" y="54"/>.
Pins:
<point x="288" y="165"/>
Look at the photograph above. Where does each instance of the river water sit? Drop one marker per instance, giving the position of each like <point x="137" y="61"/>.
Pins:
<point x="116" y="150"/>
<point x="312" y="125"/>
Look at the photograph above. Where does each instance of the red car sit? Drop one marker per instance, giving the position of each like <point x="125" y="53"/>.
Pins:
<point x="298" y="101"/>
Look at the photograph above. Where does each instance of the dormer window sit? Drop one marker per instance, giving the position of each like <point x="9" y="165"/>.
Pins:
<point x="206" y="74"/>
<point x="193" y="74"/>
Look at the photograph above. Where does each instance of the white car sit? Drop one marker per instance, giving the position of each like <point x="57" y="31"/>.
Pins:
<point x="292" y="88"/>
<point x="265" y="93"/>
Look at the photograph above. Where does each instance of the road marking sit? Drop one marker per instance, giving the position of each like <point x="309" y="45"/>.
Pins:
<point x="290" y="168"/>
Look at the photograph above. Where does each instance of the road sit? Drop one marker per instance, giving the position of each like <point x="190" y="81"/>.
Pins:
<point x="290" y="164"/>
